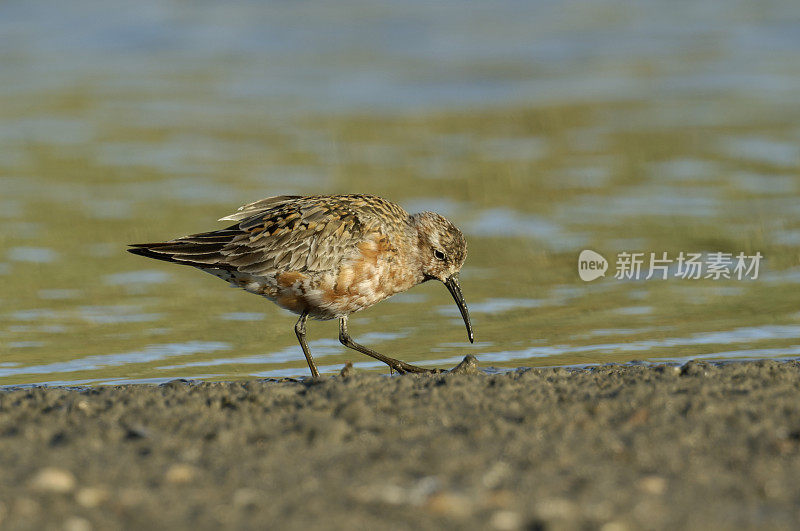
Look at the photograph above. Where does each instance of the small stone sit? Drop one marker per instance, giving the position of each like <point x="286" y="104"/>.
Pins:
<point x="55" y="480"/>
<point x="552" y="508"/>
<point x="449" y="504"/>
<point x="76" y="523"/>
<point x="178" y="384"/>
<point x="191" y="454"/>
<point x="347" y="370"/>
<point x="506" y="520"/>
<point x="495" y="474"/>
<point x="136" y="432"/>
<point x="391" y="494"/>
<point x="614" y="526"/>
<point x="653" y="484"/>
<point x="469" y="365"/>
<point x="181" y="473"/>
<point x="91" y="497"/>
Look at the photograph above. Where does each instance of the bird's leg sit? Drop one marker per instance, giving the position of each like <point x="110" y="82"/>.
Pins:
<point x="397" y="365"/>
<point x="300" y="330"/>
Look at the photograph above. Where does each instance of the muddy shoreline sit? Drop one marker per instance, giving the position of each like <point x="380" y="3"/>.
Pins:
<point x="612" y="447"/>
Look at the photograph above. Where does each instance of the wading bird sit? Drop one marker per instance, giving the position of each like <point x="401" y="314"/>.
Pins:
<point x="326" y="256"/>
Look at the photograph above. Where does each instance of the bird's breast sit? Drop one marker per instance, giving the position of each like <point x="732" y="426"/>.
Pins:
<point x="375" y="270"/>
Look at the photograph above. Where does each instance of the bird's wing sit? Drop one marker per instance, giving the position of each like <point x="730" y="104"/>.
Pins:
<point x="257" y="207"/>
<point x="277" y="234"/>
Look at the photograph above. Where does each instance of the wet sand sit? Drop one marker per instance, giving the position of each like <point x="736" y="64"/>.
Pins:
<point x="614" y="447"/>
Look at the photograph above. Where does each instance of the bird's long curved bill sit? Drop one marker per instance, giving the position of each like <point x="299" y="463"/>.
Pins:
<point x="455" y="290"/>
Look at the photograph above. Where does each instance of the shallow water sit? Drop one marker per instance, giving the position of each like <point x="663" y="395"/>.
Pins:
<point x="539" y="130"/>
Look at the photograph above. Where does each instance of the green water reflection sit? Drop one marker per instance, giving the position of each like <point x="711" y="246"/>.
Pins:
<point x="91" y="161"/>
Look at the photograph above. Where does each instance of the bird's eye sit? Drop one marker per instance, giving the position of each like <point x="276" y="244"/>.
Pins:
<point x="438" y="254"/>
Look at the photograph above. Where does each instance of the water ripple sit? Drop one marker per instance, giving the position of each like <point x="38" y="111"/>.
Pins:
<point x="147" y="355"/>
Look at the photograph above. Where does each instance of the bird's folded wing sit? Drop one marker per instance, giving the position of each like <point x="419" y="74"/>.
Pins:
<point x="284" y="233"/>
<point x="257" y="207"/>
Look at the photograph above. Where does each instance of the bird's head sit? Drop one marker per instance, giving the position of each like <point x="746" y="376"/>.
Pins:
<point x="442" y="249"/>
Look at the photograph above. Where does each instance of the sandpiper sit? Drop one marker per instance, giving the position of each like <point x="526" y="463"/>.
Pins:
<point x="326" y="256"/>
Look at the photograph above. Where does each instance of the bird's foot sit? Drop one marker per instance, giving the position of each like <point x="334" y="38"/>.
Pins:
<point x="404" y="368"/>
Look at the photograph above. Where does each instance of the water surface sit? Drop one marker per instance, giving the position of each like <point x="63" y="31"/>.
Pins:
<point x="540" y="129"/>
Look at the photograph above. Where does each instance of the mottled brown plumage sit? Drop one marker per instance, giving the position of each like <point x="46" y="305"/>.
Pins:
<point x="325" y="256"/>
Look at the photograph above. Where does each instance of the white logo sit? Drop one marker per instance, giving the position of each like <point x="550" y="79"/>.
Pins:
<point x="591" y="265"/>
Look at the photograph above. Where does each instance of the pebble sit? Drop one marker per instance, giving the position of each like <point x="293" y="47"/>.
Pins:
<point x="554" y="508"/>
<point x="90" y="497"/>
<point x="469" y="365"/>
<point x="76" y="523"/>
<point x="505" y="520"/>
<point x="614" y="526"/>
<point x="347" y="370"/>
<point x="449" y="504"/>
<point x="653" y="484"/>
<point x="181" y="473"/>
<point x="55" y="480"/>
